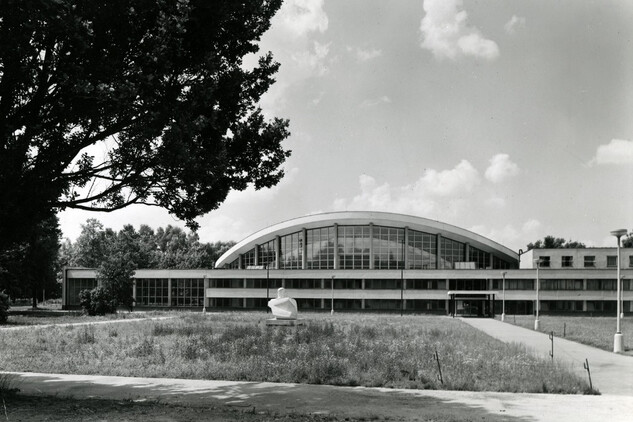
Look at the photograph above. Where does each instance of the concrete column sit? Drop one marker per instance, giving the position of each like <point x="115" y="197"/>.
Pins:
<point x="169" y="291"/>
<point x="362" y="303"/>
<point x="438" y="256"/>
<point x="206" y="299"/>
<point x="492" y="262"/>
<point x="304" y="249"/>
<point x="239" y="262"/>
<point x="134" y="290"/>
<point x="256" y="254"/>
<point x="64" y="288"/>
<point x="466" y="252"/>
<point x="277" y="252"/>
<point x="405" y="249"/>
<point x="371" y="246"/>
<point x="336" y="257"/>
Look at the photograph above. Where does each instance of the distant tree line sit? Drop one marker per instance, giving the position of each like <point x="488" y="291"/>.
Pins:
<point x="551" y="242"/>
<point x="165" y="248"/>
<point x="37" y="264"/>
<point x="116" y="255"/>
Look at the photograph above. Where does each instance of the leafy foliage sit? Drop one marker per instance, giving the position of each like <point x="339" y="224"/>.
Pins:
<point x="98" y="301"/>
<point x="169" y="247"/>
<point x="551" y="242"/>
<point x="4" y="307"/>
<point x="160" y="85"/>
<point x="33" y="264"/>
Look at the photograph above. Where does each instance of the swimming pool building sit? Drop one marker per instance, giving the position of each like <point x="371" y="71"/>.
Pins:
<point x="376" y="261"/>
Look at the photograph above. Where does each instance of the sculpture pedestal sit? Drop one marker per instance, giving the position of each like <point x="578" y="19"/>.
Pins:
<point x="284" y="322"/>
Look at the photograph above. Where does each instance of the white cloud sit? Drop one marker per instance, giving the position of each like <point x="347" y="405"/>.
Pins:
<point x="220" y="227"/>
<point x="462" y="178"/>
<point x="312" y="61"/>
<point x="291" y="38"/>
<point x="433" y="193"/>
<point x="250" y="195"/>
<point x="618" y="151"/>
<point x="495" y="202"/>
<point x="447" y="35"/>
<point x="509" y="235"/>
<point x="514" y="23"/>
<point x="299" y="17"/>
<point x="531" y="226"/>
<point x="376" y="101"/>
<point x="501" y="167"/>
<point x="365" y="55"/>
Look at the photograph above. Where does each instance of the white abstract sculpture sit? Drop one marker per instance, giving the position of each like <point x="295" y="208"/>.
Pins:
<point x="283" y="307"/>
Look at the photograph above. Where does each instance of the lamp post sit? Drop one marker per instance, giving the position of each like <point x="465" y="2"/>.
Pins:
<point x="503" y="302"/>
<point x="537" y="324"/>
<point x="332" y="311"/>
<point x="618" y="340"/>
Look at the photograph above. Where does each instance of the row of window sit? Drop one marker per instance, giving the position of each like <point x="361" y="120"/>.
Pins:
<point x="360" y="247"/>
<point x="149" y="291"/>
<point x="418" y="284"/>
<point x="421" y="305"/>
<point x="589" y="261"/>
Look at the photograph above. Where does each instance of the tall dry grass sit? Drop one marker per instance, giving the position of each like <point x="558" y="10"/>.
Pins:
<point x="385" y="351"/>
<point x="593" y="331"/>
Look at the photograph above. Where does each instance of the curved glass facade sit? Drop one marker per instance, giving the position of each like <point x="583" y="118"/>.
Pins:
<point x="367" y="247"/>
<point x="320" y="248"/>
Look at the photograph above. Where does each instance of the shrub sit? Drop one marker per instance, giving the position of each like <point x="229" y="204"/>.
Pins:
<point x="4" y="307"/>
<point x="98" y="301"/>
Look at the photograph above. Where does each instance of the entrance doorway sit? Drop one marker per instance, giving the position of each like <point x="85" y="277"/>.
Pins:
<point x="477" y="304"/>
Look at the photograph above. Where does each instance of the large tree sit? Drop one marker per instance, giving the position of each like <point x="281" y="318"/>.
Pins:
<point x="109" y="103"/>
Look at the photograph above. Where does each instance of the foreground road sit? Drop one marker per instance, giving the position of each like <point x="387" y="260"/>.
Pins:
<point x="341" y="402"/>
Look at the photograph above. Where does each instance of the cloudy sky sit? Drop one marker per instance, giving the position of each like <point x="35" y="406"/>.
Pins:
<point x="513" y="119"/>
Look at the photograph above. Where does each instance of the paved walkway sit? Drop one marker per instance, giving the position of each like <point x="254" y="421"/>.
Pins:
<point x="342" y="402"/>
<point x="611" y="373"/>
<point x="74" y="324"/>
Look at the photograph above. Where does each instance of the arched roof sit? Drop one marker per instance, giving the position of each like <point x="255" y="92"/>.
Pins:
<point x="355" y="218"/>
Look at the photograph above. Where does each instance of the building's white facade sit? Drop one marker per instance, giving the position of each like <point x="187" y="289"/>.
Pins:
<point x="371" y="261"/>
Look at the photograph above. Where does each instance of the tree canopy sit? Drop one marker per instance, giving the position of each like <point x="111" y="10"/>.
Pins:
<point x="551" y="242"/>
<point x="109" y="103"/>
<point x="170" y="247"/>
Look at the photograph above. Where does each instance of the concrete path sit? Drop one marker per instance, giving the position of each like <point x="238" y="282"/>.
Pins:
<point x="340" y="402"/>
<point x="74" y="324"/>
<point x="611" y="373"/>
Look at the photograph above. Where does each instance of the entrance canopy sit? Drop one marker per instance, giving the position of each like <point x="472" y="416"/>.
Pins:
<point x="473" y="303"/>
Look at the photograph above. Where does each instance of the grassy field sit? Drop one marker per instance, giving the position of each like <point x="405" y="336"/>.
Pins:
<point x="368" y="350"/>
<point x="593" y="331"/>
